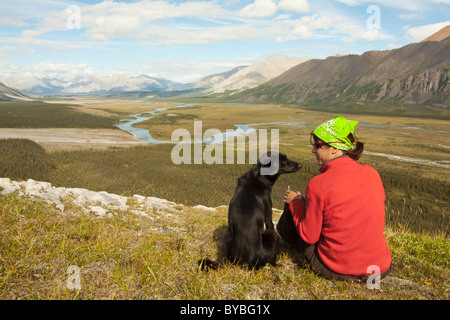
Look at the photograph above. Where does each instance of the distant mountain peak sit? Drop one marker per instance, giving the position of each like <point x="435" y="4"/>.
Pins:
<point x="256" y="74"/>
<point x="214" y="79"/>
<point x="116" y="82"/>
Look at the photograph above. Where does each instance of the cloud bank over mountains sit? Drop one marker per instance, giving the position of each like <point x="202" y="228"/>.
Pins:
<point x="186" y="40"/>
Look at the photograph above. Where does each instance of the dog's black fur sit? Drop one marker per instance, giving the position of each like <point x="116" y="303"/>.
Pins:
<point x="251" y="237"/>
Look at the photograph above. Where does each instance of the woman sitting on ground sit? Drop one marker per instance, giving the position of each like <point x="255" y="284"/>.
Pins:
<point x="339" y="224"/>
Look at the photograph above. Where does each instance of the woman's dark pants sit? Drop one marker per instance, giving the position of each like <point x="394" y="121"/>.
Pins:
<point x="288" y="232"/>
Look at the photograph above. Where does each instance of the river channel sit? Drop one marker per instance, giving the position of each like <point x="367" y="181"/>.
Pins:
<point x="144" y="135"/>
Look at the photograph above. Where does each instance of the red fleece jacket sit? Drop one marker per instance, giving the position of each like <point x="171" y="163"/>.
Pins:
<point x="345" y="216"/>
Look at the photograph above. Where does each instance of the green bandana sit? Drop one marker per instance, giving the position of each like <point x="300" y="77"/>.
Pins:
<point x="335" y="132"/>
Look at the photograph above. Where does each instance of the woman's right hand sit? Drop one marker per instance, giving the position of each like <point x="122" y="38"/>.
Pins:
<point x="291" y="196"/>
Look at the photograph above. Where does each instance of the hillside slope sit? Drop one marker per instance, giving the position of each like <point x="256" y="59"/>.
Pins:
<point x="214" y="79"/>
<point x="256" y="74"/>
<point x="415" y="73"/>
<point x="141" y="251"/>
<point x="10" y="94"/>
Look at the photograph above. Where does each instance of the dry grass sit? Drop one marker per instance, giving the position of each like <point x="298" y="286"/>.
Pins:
<point x="131" y="257"/>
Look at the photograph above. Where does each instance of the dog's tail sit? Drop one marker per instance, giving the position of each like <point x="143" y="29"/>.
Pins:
<point x="205" y="264"/>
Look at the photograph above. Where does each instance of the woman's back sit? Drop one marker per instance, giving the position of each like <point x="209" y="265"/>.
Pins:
<point x="351" y="198"/>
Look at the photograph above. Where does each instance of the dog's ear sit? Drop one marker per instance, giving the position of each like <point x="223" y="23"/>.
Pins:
<point x="254" y="170"/>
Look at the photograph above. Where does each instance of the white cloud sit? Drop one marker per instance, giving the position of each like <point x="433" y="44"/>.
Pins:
<point x="363" y="34"/>
<point x="108" y="20"/>
<point x="319" y="22"/>
<point x="441" y="1"/>
<point x="298" y="6"/>
<point x="47" y="69"/>
<point x="180" y="70"/>
<point x="281" y="29"/>
<point x="420" y="33"/>
<point x="305" y="28"/>
<point x="408" y="16"/>
<point x="202" y="9"/>
<point x="268" y="8"/>
<point x="166" y="23"/>
<point x="143" y="21"/>
<point x="11" y="22"/>
<point x="350" y="2"/>
<point x="259" y="9"/>
<point x="28" y="38"/>
<point x="148" y="11"/>
<point x="414" y="5"/>
<point x="58" y="70"/>
<point x="103" y="28"/>
<point x="6" y="51"/>
<point x="158" y="35"/>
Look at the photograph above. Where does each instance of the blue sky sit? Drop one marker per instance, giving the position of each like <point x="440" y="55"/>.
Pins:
<point x="186" y="40"/>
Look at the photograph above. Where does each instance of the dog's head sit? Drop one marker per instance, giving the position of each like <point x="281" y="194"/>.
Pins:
<point x="276" y="163"/>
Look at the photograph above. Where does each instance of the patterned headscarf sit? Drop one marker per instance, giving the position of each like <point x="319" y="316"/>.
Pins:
<point x="335" y="132"/>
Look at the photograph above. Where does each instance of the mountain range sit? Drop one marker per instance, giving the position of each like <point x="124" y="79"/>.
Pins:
<point x="239" y="78"/>
<point x="415" y="73"/>
<point x="90" y="84"/>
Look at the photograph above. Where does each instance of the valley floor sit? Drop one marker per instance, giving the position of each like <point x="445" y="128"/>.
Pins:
<point x="149" y="251"/>
<point x="72" y="138"/>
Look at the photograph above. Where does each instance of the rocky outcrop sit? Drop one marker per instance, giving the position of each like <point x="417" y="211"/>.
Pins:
<point x="91" y="202"/>
<point x="418" y="88"/>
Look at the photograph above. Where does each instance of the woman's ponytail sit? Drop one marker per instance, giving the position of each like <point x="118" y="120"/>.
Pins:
<point x="356" y="152"/>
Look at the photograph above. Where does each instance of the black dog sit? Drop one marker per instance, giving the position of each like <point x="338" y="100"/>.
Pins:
<point x="251" y="237"/>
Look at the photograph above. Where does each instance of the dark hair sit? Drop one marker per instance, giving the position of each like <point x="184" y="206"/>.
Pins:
<point x="355" y="153"/>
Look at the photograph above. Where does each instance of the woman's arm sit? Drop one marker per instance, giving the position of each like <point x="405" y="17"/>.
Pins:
<point x="307" y="215"/>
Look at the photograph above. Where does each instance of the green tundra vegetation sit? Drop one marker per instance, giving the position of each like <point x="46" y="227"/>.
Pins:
<point x="124" y="258"/>
<point x="36" y="114"/>
<point x="22" y="158"/>
<point x="415" y="202"/>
